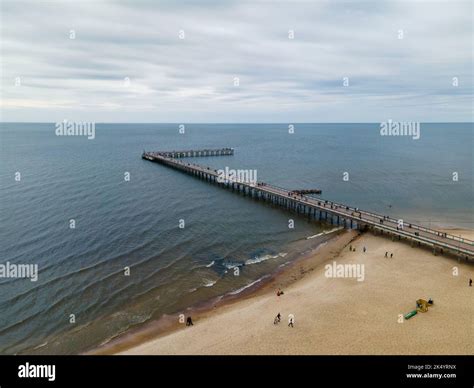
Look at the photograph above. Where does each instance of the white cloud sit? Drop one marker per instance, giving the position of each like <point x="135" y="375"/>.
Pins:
<point x="191" y="79"/>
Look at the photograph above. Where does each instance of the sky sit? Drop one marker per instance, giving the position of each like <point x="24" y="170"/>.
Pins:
<point x="236" y="61"/>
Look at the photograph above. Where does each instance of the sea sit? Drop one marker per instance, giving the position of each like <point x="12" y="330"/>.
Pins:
<point x="120" y="242"/>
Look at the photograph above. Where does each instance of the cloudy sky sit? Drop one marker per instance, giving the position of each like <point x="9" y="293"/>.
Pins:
<point x="234" y="61"/>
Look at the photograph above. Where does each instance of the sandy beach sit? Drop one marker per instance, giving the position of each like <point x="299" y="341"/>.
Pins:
<point x="341" y="315"/>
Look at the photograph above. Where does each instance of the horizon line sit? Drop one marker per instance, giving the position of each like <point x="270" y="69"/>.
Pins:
<point x="240" y="123"/>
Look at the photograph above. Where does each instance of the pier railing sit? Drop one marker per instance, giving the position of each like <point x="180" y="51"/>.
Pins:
<point x="197" y="153"/>
<point x="312" y="205"/>
<point x="375" y="215"/>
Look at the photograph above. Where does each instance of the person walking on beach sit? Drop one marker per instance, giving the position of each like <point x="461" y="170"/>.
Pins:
<point x="391" y="255"/>
<point x="470" y="282"/>
<point x="365" y="249"/>
<point x="386" y="254"/>
<point x="277" y="319"/>
<point x="290" y="323"/>
<point x="189" y="321"/>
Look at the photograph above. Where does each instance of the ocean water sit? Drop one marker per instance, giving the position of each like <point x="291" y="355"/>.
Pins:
<point x="134" y="223"/>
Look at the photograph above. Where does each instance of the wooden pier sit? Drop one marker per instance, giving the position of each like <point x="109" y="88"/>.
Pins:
<point x="307" y="191"/>
<point x="317" y="208"/>
<point x="196" y="153"/>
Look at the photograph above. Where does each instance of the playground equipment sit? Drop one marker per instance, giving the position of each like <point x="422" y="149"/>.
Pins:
<point x="421" y="306"/>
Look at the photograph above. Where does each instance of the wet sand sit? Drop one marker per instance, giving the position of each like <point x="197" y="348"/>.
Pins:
<point x="339" y="315"/>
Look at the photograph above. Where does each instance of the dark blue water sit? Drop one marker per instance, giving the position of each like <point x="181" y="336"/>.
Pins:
<point x="135" y="223"/>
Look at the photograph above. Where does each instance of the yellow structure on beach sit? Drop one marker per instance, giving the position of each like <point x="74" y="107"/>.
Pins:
<point x="422" y="305"/>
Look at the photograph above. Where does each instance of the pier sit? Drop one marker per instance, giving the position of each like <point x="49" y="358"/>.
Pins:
<point x="307" y="191"/>
<point x="317" y="208"/>
<point x="196" y="153"/>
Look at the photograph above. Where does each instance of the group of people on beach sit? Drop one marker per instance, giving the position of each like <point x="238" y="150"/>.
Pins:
<point x="277" y="320"/>
<point x="352" y="249"/>
<point x="364" y="249"/>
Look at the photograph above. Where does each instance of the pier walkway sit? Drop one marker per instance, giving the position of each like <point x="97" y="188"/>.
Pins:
<point x="317" y="208"/>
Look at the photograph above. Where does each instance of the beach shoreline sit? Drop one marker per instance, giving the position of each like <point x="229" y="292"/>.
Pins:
<point x="285" y="275"/>
<point x="348" y="322"/>
<point x="307" y="273"/>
